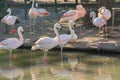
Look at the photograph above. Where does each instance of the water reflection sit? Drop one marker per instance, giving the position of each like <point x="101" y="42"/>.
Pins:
<point x="12" y="72"/>
<point x="73" y="72"/>
<point x="39" y="69"/>
<point x="75" y="66"/>
<point x="103" y="71"/>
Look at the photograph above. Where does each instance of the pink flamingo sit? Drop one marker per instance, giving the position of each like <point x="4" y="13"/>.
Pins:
<point x="73" y="14"/>
<point x="97" y="21"/>
<point x="13" y="43"/>
<point x="63" y="39"/>
<point x="9" y="19"/>
<point x="104" y="13"/>
<point x="47" y="43"/>
<point x="34" y="12"/>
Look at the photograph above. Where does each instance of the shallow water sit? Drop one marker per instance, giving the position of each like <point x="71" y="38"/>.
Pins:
<point x="76" y="65"/>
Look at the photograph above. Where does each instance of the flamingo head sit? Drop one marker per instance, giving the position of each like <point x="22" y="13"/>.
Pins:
<point x="78" y="7"/>
<point x="8" y="10"/>
<point x="92" y="13"/>
<point x="102" y="9"/>
<point x="33" y="48"/>
<point x="20" y="28"/>
<point x="71" y="22"/>
<point x="58" y="26"/>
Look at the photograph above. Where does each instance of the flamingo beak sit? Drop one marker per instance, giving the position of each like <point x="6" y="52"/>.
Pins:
<point x="60" y="29"/>
<point x="74" y="25"/>
<point x="33" y="48"/>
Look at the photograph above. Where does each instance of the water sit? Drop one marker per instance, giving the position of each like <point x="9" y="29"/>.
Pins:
<point x="76" y="65"/>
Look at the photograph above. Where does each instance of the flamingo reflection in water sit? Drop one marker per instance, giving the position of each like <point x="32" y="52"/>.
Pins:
<point x="65" y="73"/>
<point x="39" y="70"/>
<point x="104" y="71"/>
<point x="12" y="72"/>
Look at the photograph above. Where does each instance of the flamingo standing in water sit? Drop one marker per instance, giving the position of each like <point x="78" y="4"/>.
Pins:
<point x="65" y="38"/>
<point x="13" y="43"/>
<point x="97" y="21"/>
<point x="34" y="12"/>
<point x="10" y="19"/>
<point x="73" y="14"/>
<point x="47" y="43"/>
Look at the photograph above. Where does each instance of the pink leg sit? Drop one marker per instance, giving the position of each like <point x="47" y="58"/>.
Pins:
<point x="45" y="57"/>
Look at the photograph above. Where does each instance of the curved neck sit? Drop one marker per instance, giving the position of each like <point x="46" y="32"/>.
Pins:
<point x="56" y="32"/>
<point x="71" y="30"/>
<point x="70" y="27"/>
<point x="32" y="3"/>
<point x="93" y="17"/>
<point x="20" y="36"/>
<point x="9" y="13"/>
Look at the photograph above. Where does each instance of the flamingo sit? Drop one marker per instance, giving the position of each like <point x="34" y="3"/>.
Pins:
<point x="34" y="12"/>
<point x="47" y="43"/>
<point x="97" y="21"/>
<point x="65" y="38"/>
<point x="10" y="19"/>
<point x="73" y="14"/>
<point x="12" y="72"/>
<point x="13" y="43"/>
<point x="104" y="13"/>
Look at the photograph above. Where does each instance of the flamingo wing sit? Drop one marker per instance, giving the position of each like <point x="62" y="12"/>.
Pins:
<point x="32" y="13"/>
<point x="11" y="43"/>
<point x="42" y="12"/>
<point x="69" y="13"/>
<point x="9" y="20"/>
<point x="99" y="22"/>
<point x="46" y="43"/>
<point x="63" y="39"/>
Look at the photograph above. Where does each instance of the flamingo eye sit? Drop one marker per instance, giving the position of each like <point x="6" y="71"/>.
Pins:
<point x="57" y="27"/>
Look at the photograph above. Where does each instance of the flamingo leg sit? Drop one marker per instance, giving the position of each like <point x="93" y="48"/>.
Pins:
<point x="10" y="64"/>
<point x="33" y="25"/>
<point x="10" y="54"/>
<point x="45" y="56"/>
<point x="61" y="55"/>
<point x="30" y="26"/>
<point x="106" y="31"/>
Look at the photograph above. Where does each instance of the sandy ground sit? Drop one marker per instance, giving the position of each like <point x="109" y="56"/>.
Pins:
<point x="88" y="37"/>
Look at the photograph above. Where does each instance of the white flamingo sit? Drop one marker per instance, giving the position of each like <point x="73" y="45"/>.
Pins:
<point x="34" y="12"/>
<point x="65" y="38"/>
<point x="73" y="14"/>
<point x="9" y="19"/>
<point x="47" y="43"/>
<point x="97" y="21"/>
<point x="13" y="43"/>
